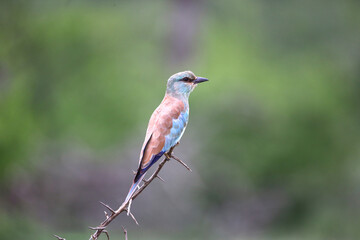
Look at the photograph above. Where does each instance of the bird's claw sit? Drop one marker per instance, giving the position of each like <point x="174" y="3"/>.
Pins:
<point x="168" y="156"/>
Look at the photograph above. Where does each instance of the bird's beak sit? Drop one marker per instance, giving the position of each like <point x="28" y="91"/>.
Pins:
<point x="200" y="80"/>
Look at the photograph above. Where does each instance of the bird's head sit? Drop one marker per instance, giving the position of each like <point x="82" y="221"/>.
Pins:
<point x="182" y="83"/>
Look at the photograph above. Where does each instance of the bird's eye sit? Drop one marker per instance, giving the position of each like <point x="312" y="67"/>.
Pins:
<point x="186" y="79"/>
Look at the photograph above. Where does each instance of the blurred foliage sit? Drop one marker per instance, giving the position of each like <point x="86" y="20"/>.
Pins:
<point x="280" y="114"/>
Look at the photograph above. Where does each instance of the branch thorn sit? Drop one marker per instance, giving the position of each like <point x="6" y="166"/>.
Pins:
<point x="160" y="178"/>
<point x="108" y="207"/>
<point x="107" y="234"/>
<point x="133" y="217"/>
<point x="181" y="162"/>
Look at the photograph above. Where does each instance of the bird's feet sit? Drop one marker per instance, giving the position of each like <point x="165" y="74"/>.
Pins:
<point x="167" y="156"/>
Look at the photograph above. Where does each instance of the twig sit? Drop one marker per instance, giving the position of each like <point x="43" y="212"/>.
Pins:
<point x="59" y="238"/>
<point x="97" y="228"/>
<point x="125" y="232"/>
<point x="181" y="162"/>
<point x="125" y="205"/>
<point x="107" y="234"/>
<point x="133" y="217"/>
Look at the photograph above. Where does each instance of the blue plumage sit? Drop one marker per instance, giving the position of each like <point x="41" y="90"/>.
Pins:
<point x="177" y="130"/>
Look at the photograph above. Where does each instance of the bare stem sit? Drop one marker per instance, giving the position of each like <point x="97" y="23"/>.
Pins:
<point x="125" y="233"/>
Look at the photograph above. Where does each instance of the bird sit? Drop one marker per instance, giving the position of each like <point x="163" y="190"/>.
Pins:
<point x="167" y="123"/>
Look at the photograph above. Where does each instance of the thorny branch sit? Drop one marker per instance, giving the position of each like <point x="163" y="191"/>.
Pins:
<point x="125" y="206"/>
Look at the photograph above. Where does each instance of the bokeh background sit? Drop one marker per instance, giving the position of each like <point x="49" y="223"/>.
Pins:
<point x="273" y="138"/>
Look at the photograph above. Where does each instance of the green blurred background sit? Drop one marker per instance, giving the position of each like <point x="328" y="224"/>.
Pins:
<point x="273" y="138"/>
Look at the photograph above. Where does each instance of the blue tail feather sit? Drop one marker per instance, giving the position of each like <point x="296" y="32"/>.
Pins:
<point x="133" y="188"/>
<point x="140" y="175"/>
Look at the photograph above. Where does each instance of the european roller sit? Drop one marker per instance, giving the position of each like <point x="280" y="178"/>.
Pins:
<point x="167" y="123"/>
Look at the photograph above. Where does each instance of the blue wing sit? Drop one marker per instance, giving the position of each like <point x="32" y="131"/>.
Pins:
<point x="177" y="130"/>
